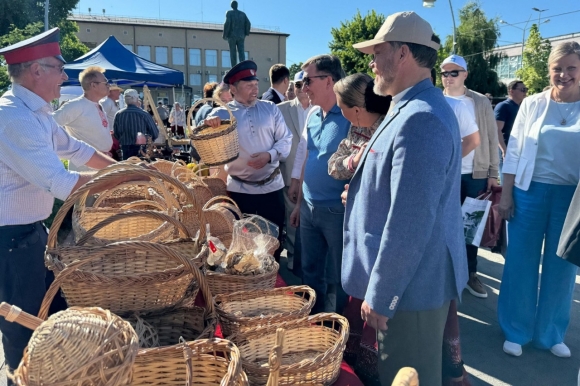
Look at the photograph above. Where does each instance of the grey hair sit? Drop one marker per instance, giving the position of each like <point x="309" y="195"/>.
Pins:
<point x="563" y="49"/>
<point x="130" y="100"/>
<point x="15" y="71"/>
<point x="328" y="64"/>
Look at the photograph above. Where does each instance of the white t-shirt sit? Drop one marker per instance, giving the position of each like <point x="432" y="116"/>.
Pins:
<point x="558" y="160"/>
<point x="464" y="109"/>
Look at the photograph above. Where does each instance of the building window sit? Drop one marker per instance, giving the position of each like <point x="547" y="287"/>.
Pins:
<point x="160" y="34"/>
<point x="88" y="30"/>
<point x="178" y="56"/>
<point x="226" y="62"/>
<point x="247" y="55"/>
<point x="161" y="55"/>
<point x="212" y="78"/>
<point x="211" y="58"/>
<point x="125" y="32"/>
<point x="128" y="46"/>
<point x="508" y="65"/>
<point x="194" y="57"/>
<point x="144" y="52"/>
<point x="195" y="79"/>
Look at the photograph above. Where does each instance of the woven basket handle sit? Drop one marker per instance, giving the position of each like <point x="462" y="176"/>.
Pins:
<point x="115" y="175"/>
<point x="177" y="164"/>
<point x="14" y="314"/>
<point x="121" y="247"/>
<point x="200" y="101"/>
<point x="215" y="199"/>
<point x="132" y="214"/>
<point x="134" y="204"/>
<point x="275" y="359"/>
<point x="151" y="184"/>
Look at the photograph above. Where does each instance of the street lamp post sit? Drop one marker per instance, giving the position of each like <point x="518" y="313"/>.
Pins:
<point x="46" y="6"/>
<point x="431" y="4"/>
<point x="523" y="32"/>
<point x="539" y="11"/>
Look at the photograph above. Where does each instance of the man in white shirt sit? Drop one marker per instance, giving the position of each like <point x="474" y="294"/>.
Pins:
<point x="295" y="112"/>
<point x="110" y="103"/>
<point x="254" y="178"/>
<point x="84" y="118"/>
<point x="279" y="82"/>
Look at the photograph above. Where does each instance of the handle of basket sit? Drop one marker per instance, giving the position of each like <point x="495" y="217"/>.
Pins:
<point x="117" y="166"/>
<point x="121" y="247"/>
<point x="204" y="100"/>
<point x="14" y="314"/>
<point x="143" y="203"/>
<point x="132" y="214"/>
<point x="275" y="359"/>
<point x="188" y="356"/>
<point x="99" y="182"/>
<point x="107" y="193"/>
<point x="202" y="168"/>
<point x="212" y="200"/>
<point x="177" y="164"/>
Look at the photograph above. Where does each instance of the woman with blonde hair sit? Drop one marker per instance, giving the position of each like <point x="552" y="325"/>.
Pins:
<point x="222" y="93"/>
<point x="541" y="172"/>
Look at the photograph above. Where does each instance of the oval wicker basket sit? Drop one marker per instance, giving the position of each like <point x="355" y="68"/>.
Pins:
<point x="241" y="311"/>
<point x="122" y="277"/>
<point x="216" y="146"/>
<point x="312" y="352"/>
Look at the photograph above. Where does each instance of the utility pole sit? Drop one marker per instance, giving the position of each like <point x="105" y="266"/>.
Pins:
<point x="46" y="7"/>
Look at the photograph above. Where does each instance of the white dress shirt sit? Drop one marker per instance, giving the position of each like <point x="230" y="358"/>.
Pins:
<point x="31" y="173"/>
<point x="110" y="107"/>
<point x="86" y="121"/>
<point x="261" y="128"/>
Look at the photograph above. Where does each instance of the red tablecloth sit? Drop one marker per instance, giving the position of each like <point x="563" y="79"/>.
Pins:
<point x="347" y="376"/>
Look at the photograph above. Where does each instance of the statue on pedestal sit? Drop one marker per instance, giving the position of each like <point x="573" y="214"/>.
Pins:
<point x="236" y="28"/>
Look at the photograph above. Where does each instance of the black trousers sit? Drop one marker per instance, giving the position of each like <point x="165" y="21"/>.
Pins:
<point x="130" y="151"/>
<point x="473" y="188"/>
<point x="269" y="205"/>
<point x="23" y="282"/>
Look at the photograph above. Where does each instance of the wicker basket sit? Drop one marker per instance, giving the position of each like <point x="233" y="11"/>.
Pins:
<point x="214" y="183"/>
<point x="216" y="146"/>
<point x="241" y="311"/>
<point x="220" y="213"/>
<point x="134" y="191"/>
<point x="186" y="245"/>
<point x="123" y="277"/>
<point x="88" y="346"/>
<point x="312" y="352"/>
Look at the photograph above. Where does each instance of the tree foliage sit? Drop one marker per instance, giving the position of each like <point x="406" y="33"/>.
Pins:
<point x="534" y="71"/>
<point x="359" y="29"/>
<point x="295" y="68"/>
<point x="476" y="36"/>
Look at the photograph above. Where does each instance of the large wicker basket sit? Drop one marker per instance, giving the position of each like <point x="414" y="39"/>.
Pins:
<point x="312" y="352"/>
<point x="122" y="277"/>
<point x="241" y="311"/>
<point x="216" y="146"/>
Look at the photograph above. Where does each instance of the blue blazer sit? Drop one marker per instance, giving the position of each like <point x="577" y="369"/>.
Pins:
<point x="271" y="95"/>
<point x="403" y="235"/>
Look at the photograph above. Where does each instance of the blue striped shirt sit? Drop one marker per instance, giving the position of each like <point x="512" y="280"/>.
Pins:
<point x="31" y="143"/>
<point x="130" y="121"/>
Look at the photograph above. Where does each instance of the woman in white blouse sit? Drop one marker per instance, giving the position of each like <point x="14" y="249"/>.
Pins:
<point x="177" y="120"/>
<point x="541" y="171"/>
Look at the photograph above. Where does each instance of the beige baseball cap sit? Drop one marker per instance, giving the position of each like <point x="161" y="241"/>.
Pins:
<point x="406" y="27"/>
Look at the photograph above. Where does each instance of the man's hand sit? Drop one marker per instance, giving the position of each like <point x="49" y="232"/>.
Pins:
<point x="295" y="217"/>
<point x="358" y="156"/>
<point x="373" y="319"/>
<point x="213" y="121"/>
<point x="491" y="182"/>
<point x="259" y="160"/>
<point x="293" y="190"/>
<point x="344" y="195"/>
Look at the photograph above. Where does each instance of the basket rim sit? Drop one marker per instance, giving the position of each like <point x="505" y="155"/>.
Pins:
<point x="240" y="278"/>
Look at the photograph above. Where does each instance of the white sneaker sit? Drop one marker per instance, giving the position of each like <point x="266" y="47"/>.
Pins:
<point x="561" y="350"/>
<point x="512" y="348"/>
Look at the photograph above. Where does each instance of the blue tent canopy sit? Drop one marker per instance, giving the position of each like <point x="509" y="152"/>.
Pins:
<point x="123" y="67"/>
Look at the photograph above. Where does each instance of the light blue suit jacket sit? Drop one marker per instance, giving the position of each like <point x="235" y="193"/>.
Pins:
<point x="403" y="234"/>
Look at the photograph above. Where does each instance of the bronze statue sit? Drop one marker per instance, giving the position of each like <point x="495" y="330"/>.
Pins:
<point x="236" y="28"/>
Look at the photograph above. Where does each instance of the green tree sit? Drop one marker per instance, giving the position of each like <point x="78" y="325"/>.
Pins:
<point x="534" y="71"/>
<point x="295" y="68"/>
<point x="19" y="13"/>
<point x="359" y="29"/>
<point x="476" y="36"/>
<point x="70" y="45"/>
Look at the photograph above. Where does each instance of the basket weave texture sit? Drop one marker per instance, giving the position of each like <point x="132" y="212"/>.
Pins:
<point x="78" y="347"/>
<point x="216" y="146"/>
<point x="242" y="311"/>
<point x="312" y="352"/>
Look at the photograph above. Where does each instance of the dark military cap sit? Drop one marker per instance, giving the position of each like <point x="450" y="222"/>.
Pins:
<point x="245" y="70"/>
<point x="37" y="47"/>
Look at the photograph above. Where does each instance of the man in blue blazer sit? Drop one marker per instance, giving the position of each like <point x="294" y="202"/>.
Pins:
<point x="404" y="249"/>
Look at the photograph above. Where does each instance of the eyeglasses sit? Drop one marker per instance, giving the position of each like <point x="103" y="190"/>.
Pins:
<point x="308" y="79"/>
<point x="298" y="84"/>
<point x="454" y="73"/>
<point x="106" y="83"/>
<point x="59" y="68"/>
<point x="523" y="89"/>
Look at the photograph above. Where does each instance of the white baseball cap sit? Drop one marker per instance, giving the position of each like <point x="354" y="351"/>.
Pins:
<point x="131" y="93"/>
<point x="299" y="76"/>
<point x="455" y="59"/>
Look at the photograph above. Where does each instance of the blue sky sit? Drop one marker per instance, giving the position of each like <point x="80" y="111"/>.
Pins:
<point x="309" y="21"/>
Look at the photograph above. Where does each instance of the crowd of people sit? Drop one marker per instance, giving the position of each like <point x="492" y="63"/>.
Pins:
<point x="365" y="178"/>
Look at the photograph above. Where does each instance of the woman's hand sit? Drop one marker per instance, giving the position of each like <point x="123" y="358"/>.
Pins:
<point x="358" y="156"/>
<point x="506" y="206"/>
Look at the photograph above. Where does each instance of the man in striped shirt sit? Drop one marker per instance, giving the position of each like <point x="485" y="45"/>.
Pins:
<point x="130" y="121"/>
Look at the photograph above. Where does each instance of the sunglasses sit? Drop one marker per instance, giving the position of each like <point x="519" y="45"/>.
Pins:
<point x="454" y="73"/>
<point x="308" y="79"/>
<point x="523" y="89"/>
<point x="298" y="84"/>
<point x="106" y="83"/>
